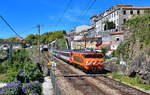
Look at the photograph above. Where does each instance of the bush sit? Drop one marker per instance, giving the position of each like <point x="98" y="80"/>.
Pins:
<point x="3" y="67"/>
<point x="20" y="67"/>
<point x="16" y="88"/>
<point x="12" y="88"/>
<point x="31" y="72"/>
<point x="33" y="87"/>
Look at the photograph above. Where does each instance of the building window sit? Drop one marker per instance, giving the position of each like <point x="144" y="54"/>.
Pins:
<point x="124" y="20"/>
<point x="124" y="12"/>
<point x="131" y="12"/>
<point x="138" y="11"/>
<point x="114" y="14"/>
<point x="117" y="21"/>
<point x="117" y="39"/>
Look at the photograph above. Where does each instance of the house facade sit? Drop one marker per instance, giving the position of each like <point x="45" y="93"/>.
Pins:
<point x="118" y="14"/>
<point x="116" y="39"/>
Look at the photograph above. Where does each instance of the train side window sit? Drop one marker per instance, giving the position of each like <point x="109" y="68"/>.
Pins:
<point x="78" y="59"/>
<point x="67" y="54"/>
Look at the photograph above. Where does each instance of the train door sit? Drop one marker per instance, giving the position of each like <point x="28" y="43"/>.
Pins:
<point x="70" y="57"/>
<point x="59" y="54"/>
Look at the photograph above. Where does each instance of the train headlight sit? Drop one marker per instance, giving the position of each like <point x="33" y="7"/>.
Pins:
<point x="87" y="62"/>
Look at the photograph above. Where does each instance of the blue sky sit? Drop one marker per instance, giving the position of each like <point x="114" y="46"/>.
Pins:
<point x="24" y="15"/>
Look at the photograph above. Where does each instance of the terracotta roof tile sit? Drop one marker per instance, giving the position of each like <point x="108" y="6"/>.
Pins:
<point x="103" y="45"/>
<point x="119" y="32"/>
<point x="136" y="7"/>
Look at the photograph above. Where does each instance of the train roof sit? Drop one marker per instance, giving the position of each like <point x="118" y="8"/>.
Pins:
<point x="79" y="51"/>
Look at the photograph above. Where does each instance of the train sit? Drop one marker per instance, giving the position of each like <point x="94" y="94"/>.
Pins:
<point x="87" y="61"/>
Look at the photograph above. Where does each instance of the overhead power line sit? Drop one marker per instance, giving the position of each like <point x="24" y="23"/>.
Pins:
<point x="89" y="8"/>
<point x="84" y="10"/>
<point x="9" y="26"/>
<point x="67" y="7"/>
<point x="90" y="5"/>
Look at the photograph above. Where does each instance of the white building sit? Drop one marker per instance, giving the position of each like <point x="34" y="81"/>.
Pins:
<point x="117" y="14"/>
<point x="76" y="35"/>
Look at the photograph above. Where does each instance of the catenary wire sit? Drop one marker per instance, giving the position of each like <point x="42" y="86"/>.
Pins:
<point x="67" y="7"/>
<point x="9" y="25"/>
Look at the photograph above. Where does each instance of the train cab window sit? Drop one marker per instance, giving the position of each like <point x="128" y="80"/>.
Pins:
<point x="78" y="59"/>
<point x="93" y="56"/>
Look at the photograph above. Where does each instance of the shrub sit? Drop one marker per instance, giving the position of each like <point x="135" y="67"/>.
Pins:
<point x="31" y="72"/>
<point x="12" y="88"/>
<point x="33" y="87"/>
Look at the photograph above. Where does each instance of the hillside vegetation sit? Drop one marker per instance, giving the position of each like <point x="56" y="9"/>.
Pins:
<point x="136" y="49"/>
<point x="46" y="37"/>
<point x="138" y="38"/>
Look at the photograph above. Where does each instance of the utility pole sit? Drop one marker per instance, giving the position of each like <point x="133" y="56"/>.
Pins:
<point x="85" y="40"/>
<point x="39" y="43"/>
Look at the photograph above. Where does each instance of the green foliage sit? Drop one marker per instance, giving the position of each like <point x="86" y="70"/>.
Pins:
<point x="12" y="88"/>
<point x="2" y="40"/>
<point x="147" y="11"/>
<point x="46" y="37"/>
<point x="31" y="39"/>
<point x="3" y="68"/>
<point x="33" y="88"/>
<point x="109" y="25"/>
<point x="31" y="72"/>
<point x="136" y="81"/>
<point x="12" y="39"/>
<point x="61" y="43"/>
<point x="19" y="63"/>
<point x="114" y="54"/>
<point x="139" y="26"/>
<point x="104" y="54"/>
<point x="20" y="67"/>
<point x="103" y="51"/>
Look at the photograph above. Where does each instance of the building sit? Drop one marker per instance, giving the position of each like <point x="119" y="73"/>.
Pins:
<point x="88" y="43"/>
<point x="20" y="38"/>
<point x="116" y="39"/>
<point x="92" y="30"/>
<point x="76" y="34"/>
<point x="81" y="28"/>
<point x="118" y="14"/>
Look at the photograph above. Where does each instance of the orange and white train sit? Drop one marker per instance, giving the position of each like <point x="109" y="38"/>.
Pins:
<point x="88" y="61"/>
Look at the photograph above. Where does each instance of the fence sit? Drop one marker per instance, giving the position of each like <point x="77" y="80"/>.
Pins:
<point x="54" y="83"/>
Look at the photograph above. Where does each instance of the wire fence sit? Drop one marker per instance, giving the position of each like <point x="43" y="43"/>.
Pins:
<point x="54" y="83"/>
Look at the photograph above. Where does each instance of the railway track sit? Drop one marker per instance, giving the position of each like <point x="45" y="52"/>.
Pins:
<point x="88" y="88"/>
<point x="124" y="89"/>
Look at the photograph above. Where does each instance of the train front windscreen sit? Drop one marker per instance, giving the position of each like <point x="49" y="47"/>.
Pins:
<point x="93" y="56"/>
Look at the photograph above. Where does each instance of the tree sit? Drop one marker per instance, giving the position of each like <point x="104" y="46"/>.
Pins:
<point x="31" y="39"/>
<point x="1" y="40"/>
<point x="12" y="39"/>
<point x="43" y="38"/>
<point x="109" y="25"/>
<point x="46" y="37"/>
<point x="103" y="51"/>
